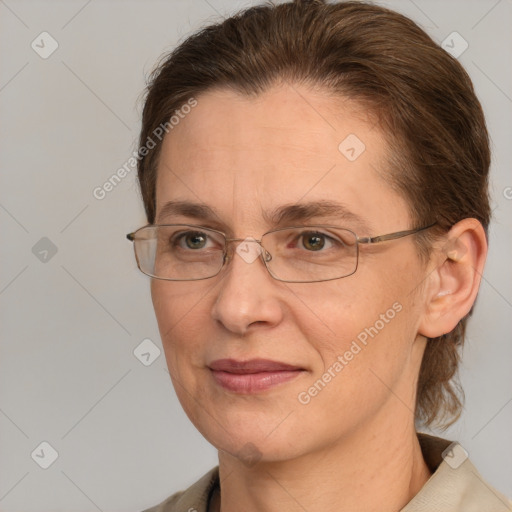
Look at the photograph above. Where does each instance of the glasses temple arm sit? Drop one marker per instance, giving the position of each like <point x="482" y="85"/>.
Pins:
<point x="392" y="236"/>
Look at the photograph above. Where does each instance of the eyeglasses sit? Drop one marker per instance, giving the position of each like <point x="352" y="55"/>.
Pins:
<point x="302" y="254"/>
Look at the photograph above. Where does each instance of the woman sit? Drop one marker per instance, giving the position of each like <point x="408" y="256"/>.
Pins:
<point x="315" y="182"/>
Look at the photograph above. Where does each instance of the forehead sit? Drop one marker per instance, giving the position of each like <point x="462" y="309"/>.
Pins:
<point x="247" y="155"/>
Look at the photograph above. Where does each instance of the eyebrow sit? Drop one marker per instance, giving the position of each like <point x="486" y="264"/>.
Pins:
<point x="281" y="215"/>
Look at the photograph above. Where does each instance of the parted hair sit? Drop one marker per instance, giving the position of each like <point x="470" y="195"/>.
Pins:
<point x="437" y="143"/>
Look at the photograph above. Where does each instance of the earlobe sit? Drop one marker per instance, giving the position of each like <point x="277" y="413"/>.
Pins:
<point x="455" y="280"/>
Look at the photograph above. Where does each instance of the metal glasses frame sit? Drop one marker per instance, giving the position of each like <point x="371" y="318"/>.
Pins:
<point x="267" y="256"/>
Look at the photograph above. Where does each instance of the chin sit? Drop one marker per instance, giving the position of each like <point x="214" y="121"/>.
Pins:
<point x="249" y="441"/>
<point x="251" y="452"/>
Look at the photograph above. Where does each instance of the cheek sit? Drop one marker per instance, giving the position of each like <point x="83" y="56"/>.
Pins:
<point x="176" y="311"/>
<point x="361" y="358"/>
<point x="369" y="317"/>
<point x="177" y="303"/>
<point x="165" y="305"/>
<point x="180" y="322"/>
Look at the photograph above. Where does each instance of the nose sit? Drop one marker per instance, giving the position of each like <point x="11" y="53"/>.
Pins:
<point x="248" y="296"/>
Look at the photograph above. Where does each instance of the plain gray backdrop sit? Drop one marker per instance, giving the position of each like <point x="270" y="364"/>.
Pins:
<point x="74" y="307"/>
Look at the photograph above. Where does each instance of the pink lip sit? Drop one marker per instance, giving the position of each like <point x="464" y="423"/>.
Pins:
<point x="251" y="376"/>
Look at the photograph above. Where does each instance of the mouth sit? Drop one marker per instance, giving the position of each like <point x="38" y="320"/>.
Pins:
<point x="255" y="375"/>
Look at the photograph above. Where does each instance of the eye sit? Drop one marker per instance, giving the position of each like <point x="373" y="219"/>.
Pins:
<point x="195" y="240"/>
<point x="315" y="241"/>
<point x="191" y="240"/>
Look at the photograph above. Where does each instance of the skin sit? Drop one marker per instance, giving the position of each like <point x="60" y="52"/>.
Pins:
<point x="353" y="446"/>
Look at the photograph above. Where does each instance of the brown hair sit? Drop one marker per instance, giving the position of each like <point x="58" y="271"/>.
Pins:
<point x="437" y="139"/>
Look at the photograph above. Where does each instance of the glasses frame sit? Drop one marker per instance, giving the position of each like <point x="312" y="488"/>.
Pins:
<point x="226" y="257"/>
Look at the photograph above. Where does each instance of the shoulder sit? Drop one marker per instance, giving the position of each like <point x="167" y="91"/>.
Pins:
<point x="455" y="484"/>
<point x="193" y="499"/>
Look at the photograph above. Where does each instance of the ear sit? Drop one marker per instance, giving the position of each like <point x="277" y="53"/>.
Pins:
<point x="455" y="279"/>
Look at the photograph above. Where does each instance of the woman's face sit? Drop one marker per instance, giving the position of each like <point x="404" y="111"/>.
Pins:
<point x="353" y="341"/>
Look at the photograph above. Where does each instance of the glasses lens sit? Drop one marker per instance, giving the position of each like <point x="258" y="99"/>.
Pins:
<point x="179" y="252"/>
<point x="311" y="253"/>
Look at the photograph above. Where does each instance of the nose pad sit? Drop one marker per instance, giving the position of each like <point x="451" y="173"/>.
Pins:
<point x="266" y="255"/>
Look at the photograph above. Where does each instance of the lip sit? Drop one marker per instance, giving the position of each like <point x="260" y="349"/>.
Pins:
<point x="252" y="376"/>
<point x="251" y="366"/>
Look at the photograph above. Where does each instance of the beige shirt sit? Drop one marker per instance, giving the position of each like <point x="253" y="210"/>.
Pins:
<point x="455" y="486"/>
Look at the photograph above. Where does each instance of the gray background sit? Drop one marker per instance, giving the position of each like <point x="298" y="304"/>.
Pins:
<point x="70" y="321"/>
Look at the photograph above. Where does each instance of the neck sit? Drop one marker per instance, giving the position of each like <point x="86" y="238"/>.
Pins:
<point x="359" y="472"/>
